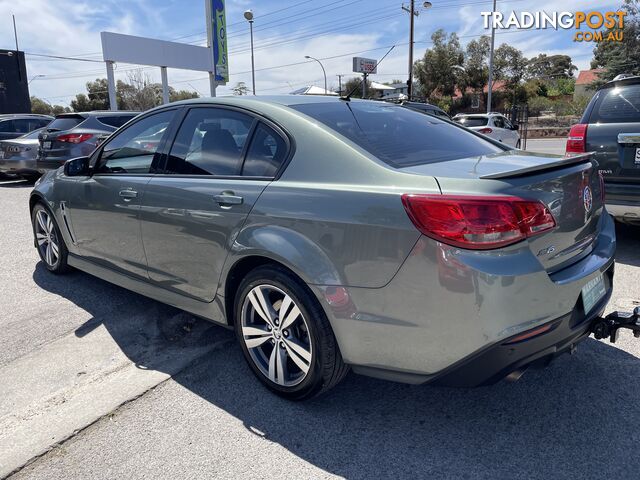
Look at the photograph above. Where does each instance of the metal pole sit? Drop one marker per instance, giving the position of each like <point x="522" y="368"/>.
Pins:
<point x="113" y="104"/>
<point x="15" y="35"/>
<point x="364" y="85"/>
<point x="410" y="81"/>
<point x="323" y="71"/>
<point x="339" y="84"/>
<point x="209" y="16"/>
<point x="253" y="69"/>
<point x="165" y="85"/>
<point x="493" y="39"/>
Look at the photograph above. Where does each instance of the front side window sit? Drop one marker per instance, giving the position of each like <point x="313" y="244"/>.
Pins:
<point x="398" y="136"/>
<point x="498" y="122"/>
<point x="210" y="142"/>
<point x="135" y="149"/>
<point x="266" y="153"/>
<point x="7" y="126"/>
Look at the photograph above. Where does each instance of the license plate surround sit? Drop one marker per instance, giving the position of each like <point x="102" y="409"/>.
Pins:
<point x="46" y="145"/>
<point x="592" y="292"/>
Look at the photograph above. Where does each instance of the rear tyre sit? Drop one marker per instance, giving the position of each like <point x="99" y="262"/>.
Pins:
<point x="49" y="242"/>
<point x="285" y="335"/>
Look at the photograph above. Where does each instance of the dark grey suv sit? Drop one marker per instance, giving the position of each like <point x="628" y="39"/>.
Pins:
<point x="19" y="124"/>
<point x="73" y="135"/>
<point x="610" y="127"/>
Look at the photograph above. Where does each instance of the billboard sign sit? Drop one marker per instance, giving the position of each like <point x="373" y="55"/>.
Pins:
<point x="219" y="30"/>
<point x="365" y="65"/>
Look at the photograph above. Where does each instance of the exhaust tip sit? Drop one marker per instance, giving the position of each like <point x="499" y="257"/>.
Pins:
<point x="515" y="375"/>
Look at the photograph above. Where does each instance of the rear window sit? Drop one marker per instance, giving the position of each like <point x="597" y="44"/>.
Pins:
<point x="617" y="105"/>
<point x="65" y="123"/>
<point x="472" y="121"/>
<point x="115" y="120"/>
<point x="396" y="135"/>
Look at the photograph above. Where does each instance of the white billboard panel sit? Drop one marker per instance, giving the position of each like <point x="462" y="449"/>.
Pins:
<point x="365" y="65"/>
<point x="148" y="51"/>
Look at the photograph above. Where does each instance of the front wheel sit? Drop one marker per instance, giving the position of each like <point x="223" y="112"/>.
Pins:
<point x="49" y="241"/>
<point x="285" y="335"/>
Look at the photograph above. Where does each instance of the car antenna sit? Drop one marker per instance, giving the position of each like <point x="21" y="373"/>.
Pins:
<point x="347" y="97"/>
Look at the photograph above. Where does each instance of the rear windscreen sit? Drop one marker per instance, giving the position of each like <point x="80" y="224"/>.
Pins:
<point x="65" y="123"/>
<point x="617" y="105"/>
<point x="472" y="121"/>
<point x="396" y="135"/>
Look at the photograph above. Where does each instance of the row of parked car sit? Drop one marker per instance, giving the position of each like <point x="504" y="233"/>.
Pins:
<point x="32" y="144"/>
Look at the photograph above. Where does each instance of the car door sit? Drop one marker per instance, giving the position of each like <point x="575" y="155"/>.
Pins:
<point x="498" y="129"/>
<point x="511" y="135"/>
<point x="104" y="208"/>
<point x="192" y="212"/>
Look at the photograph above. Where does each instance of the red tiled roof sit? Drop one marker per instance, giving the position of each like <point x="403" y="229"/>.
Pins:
<point x="585" y="77"/>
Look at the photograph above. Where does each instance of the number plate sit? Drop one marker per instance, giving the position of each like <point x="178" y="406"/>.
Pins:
<point x="46" y="145"/>
<point x="637" y="161"/>
<point x="592" y="293"/>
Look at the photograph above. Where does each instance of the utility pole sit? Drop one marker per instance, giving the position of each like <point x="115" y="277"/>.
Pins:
<point x="493" y="39"/>
<point x="364" y="85"/>
<point x="412" y="13"/>
<point x="15" y="35"/>
<point x="340" y="83"/>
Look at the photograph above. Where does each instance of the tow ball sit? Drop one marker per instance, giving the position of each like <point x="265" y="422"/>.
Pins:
<point x="609" y="326"/>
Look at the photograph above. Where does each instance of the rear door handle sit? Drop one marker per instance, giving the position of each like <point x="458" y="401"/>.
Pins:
<point x="227" y="199"/>
<point x="128" y="194"/>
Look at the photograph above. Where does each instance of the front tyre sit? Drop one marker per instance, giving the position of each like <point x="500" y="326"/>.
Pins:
<point x="285" y="335"/>
<point x="49" y="242"/>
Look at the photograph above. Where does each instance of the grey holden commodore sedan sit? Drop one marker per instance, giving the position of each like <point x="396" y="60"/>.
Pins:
<point x="334" y="234"/>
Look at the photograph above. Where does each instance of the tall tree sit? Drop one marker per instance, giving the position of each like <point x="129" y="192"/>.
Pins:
<point x="240" y="89"/>
<point x="354" y="87"/>
<point x="476" y="62"/>
<point x="618" y="57"/>
<point x="511" y="67"/>
<point x="551" y="67"/>
<point x="434" y="70"/>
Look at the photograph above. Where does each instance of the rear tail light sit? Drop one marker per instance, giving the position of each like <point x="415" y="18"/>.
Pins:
<point x="477" y="222"/>
<point x="485" y="130"/>
<point x="74" y="137"/>
<point x="577" y="139"/>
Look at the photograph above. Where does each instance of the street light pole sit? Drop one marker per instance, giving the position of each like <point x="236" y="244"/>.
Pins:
<point x="490" y="83"/>
<point x="34" y="77"/>
<point x="248" y="15"/>
<point x="323" y="71"/>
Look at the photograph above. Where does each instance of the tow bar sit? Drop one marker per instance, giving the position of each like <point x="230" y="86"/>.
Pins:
<point x="610" y="325"/>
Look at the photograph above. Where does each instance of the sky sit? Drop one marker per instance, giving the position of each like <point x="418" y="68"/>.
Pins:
<point x="284" y="32"/>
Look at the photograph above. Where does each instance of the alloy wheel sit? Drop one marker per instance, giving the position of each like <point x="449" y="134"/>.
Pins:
<point x="47" y="238"/>
<point x="276" y="335"/>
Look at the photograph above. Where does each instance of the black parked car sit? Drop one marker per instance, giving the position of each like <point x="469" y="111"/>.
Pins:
<point x="73" y="135"/>
<point x="426" y="108"/>
<point x="610" y="127"/>
<point x="16" y="125"/>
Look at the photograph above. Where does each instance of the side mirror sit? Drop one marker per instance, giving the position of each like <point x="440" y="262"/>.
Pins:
<point x="77" y="167"/>
<point x="515" y="126"/>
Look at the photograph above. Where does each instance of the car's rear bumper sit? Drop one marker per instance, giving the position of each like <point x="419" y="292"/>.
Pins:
<point x="447" y="306"/>
<point x="623" y="200"/>
<point x="19" y="166"/>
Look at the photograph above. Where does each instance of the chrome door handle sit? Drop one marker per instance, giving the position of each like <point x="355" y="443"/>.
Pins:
<point x="128" y="194"/>
<point x="228" y="199"/>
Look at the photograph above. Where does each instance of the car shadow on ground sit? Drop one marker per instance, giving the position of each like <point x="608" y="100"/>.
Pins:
<point x="575" y="419"/>
<point x="628" y="237"/>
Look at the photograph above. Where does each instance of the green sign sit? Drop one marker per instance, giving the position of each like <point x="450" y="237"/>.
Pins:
<point x="219" y="29"/>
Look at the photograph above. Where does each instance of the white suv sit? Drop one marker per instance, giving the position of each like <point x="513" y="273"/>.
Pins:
<point x="493" y="125"/>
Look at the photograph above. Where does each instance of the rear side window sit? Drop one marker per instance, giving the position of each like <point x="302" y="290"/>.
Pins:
<point x="617" y="105"/>
<point x="113" y="121"/>
<point x="472" y="121"/>
<point x="65" y="123"/>
<point x="266" y="153"/>
<point x="396" y="135"/>
<point x="210" y="142"/>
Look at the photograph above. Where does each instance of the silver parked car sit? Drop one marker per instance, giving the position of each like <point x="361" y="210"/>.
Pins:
<point x="334" y="233"/>
<point x="18" y="156"/>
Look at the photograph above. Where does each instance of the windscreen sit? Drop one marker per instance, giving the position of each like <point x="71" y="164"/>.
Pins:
<point x="64" y="123"/>
<point x="396" y="135"/>
<point x="472" y="121"/>
<point x="617" y="105"/>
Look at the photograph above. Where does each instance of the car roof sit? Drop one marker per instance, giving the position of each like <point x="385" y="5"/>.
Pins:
<point x="5" y="116"/>
<point x="286" y="100"/>
<point x="632" y="80"/>
<point x="93" y="113"/>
